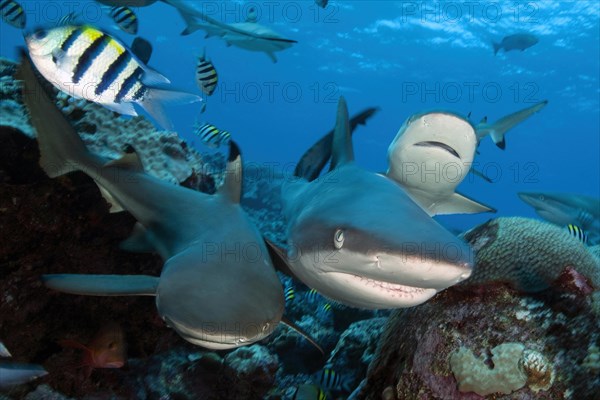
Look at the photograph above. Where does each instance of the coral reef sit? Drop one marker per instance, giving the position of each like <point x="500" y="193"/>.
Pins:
<point x="63" y="226"/>
<point x="527" y="254"/>
<point x="513" y="367"/>
<point x="415" y="352"/>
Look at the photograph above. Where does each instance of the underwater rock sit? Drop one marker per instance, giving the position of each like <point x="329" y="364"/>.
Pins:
<point x="528" y="254"/>
<point x="255" y="366"/>
<point x="415" y="352"/>
<point x="512" y="367"/>
<point x="356" y="347"/>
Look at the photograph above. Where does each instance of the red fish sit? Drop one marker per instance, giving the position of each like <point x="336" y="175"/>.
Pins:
<point x="105" y="350"/>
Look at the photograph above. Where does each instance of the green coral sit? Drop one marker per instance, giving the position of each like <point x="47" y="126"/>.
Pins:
<point x="528" y="254"/>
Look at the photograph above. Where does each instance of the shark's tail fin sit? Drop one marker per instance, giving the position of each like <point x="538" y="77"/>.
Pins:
<point x="497" y="47"/>
<point x="154" y="100"/>
<point x="61" y="148"/>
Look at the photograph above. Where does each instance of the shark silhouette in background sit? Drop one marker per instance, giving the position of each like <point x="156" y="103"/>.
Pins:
<point x="564" y="209"/>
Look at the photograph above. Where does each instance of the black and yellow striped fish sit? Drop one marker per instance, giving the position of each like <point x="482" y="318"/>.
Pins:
<point x="125" y="19"/>
<point x="87" y="63"/>
<point x="328" y="379"/>
<point x="211" y="135"/>
<point x="206" y="75"/>
<point x="309" y="392"/>
<point x="12" y="13"/>
<point x="578" y="233"/>
<point x="289" y="294"/>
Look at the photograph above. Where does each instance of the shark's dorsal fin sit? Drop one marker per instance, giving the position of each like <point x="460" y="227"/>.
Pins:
<point x="232" y="187"/>
<point x="279" y="259"/>
<point x="483" y="120"/>
<point x="130" y="161"/>
<point x="102" y="285"/>
<point x="314" y="159"/>
<point x="302" y="333"/>
<point x="342" y="139"/>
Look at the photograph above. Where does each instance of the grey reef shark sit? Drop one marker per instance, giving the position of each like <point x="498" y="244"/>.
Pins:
<point x="430" y="156"/>
<point x="358" y="238"/>
<point x="248" y="35"/>
<point x="211" y="296"/>
<point x="498" y="129"/>
<point x="565" y="208"/>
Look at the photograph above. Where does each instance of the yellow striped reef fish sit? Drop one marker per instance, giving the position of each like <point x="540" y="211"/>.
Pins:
<point x="87" y="63"/>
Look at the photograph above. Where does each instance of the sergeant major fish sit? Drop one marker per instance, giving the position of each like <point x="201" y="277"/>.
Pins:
<point x="211" y="135"/>
<point x="577" y="233"/>
<point x="12" y="13"/>
<point x="87" y="63"/>
<point x="125" y="19"/>
<point x="206" y="75"/>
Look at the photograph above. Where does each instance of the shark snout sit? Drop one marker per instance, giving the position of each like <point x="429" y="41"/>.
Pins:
<point x="432" y="271"/>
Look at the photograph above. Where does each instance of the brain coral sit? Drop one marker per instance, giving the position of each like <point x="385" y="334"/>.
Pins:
<point x="528" y="254"/>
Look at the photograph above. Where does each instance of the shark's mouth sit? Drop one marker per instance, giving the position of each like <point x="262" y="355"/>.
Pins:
<point x="440" y="145"/>
<point x="379" y="285"/>
<point x="363" y="292"/>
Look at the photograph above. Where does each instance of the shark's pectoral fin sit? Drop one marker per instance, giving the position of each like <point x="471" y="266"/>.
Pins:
<point x="232" y="186"/>
<point x="190" y="22"/>
<point x="138" y="241"/>
<point x="302" y="333"/>
<point x="279" y="259"/>
<point x="272" y="57"/>
<point x="499" y="140"/>
<point x="460" y="204"/>
<point x="480" y="174"/>
<point x="102" y="285"/>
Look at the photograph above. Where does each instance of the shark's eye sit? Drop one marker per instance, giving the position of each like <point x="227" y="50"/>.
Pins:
<point x="338" y="238"/>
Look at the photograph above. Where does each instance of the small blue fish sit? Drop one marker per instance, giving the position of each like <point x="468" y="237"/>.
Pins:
<point x="578" y="233"/>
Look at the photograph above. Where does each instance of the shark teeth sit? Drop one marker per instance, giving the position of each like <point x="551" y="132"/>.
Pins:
<point x="391" y="287"/>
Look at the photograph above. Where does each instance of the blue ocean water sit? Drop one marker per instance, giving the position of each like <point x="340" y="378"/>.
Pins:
<point x="402" y="56"/>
